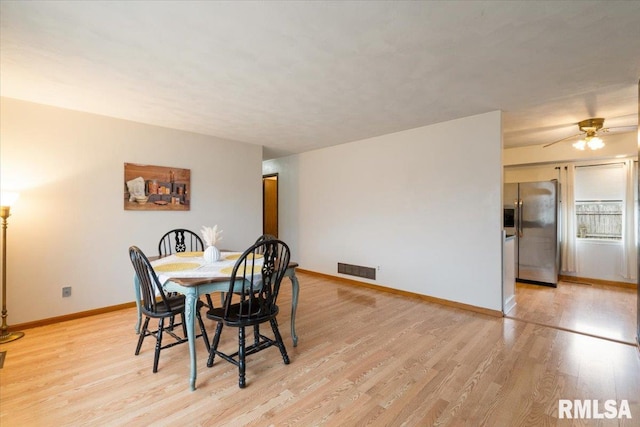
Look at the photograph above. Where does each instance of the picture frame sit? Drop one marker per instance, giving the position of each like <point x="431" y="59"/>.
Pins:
<point x="156" y="188"/>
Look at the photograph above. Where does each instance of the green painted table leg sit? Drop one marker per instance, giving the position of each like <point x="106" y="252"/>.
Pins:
<point x="295" y="290"/>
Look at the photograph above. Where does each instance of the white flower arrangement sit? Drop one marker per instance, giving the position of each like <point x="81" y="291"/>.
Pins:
<point x="211" y="235"/>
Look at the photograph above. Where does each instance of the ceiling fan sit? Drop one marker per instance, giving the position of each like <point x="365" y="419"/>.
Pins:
<point x="589" y="129"/>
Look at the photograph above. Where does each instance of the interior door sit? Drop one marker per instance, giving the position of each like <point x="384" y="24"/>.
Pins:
<point x="270" y="204"/>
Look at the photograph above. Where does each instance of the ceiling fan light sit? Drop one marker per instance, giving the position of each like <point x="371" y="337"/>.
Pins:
<point x="595" y="143"/>
<point x="580" y="144"/>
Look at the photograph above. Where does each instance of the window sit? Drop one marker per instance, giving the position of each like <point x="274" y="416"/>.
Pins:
<point x="599" y="219"/>
<point x="599" y="201"/>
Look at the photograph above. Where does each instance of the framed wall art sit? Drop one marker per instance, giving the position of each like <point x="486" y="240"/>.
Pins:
<point x="155" y="188"/>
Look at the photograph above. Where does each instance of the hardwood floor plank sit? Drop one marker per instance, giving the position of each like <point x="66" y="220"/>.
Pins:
<point x="364" y="357"/>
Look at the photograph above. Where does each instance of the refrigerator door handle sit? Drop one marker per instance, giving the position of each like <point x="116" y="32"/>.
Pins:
<point x="520" y="216"/>
<point x="516" y="209"/>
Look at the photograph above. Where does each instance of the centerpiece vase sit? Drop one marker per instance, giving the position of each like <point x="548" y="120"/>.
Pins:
<point x="211" y="254"/>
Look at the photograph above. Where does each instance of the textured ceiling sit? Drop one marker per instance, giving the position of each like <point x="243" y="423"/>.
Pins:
<point x="296" y="76"/>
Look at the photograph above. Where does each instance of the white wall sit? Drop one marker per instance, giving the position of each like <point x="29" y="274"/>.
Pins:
<point x="531" y="173"/>
<point x="69" y="227"/>
<point x="423" y="205"/>
<point x="599" y="260"/>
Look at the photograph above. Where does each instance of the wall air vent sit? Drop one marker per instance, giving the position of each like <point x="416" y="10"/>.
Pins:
<point x="357" y="270"/>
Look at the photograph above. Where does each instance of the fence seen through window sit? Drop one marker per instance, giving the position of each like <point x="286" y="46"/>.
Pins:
<point x="600" y="219"/>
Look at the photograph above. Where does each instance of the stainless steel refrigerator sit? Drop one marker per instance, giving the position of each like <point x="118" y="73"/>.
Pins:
<point x="531" y="214"/>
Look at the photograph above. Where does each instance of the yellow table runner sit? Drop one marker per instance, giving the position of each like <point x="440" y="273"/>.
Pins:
<point x="189" y="254"/>
<point x="236" y="256"/>
<point x="257" y="269"/>
<point x="177" y="266"/>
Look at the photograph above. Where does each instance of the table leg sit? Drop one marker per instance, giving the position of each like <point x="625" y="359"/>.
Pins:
<point x="136" y="288"/>
<point x="191" y="299"/>
<point x="295" y="290"/>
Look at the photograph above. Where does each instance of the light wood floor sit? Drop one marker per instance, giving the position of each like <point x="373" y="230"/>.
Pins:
<point x="364" y="358"/>
<point x="599" y="310"/>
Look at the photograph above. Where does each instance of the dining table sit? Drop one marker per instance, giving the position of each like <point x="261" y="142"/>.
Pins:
<point x="189" y="274"/>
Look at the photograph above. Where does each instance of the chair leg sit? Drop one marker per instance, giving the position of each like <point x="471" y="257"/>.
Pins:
<point x="143" y="333"/>
<point x="156" y="357"/>
<point x="241" y="358"/>
<point x="256" y="334"/>
<point x="214" y="344"/>
<point x="209" y="301"/>
<point x="276" y="333"/>
<point x="205" y="337"/>
<point x="184" y="325"/>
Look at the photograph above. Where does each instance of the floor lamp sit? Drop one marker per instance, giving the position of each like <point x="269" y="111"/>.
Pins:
<point x="6" y="200"/>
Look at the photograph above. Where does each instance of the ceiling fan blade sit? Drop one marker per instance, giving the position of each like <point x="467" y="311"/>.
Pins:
<point x="622" y="117"/>
<point x="615" y="128"/>
<point x="563" y="139"/>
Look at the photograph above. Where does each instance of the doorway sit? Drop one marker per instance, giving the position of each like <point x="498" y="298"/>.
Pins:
<point x="270" y="204"/>
<point x="591" y="304"/>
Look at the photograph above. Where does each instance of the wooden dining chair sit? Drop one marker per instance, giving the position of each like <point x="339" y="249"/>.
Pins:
<point x="181" y="240"/>
<point x="156" y="304"/>
<point x="250" y="301"/>
<point x="265" y="237"/>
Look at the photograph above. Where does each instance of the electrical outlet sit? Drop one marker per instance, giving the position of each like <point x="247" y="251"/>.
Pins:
<point x="66" y="291"/>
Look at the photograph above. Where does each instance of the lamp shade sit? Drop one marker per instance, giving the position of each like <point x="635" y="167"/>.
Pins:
<point x="8" y="198"/>
<point x="595" y="143"/>
<point x="580" y="144"/>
